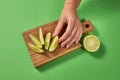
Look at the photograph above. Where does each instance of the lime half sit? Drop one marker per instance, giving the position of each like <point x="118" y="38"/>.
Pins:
<point x="54" y="44"/>
<point x="35" y="48"/>
<point x="91" y="43"/>
<point x="41" y="36"/>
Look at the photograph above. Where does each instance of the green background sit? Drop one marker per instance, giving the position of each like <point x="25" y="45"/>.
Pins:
<point x="17" y="16"/>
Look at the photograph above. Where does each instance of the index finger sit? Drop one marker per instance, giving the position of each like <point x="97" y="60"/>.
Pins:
<point x="67" y="32"/>
<point x="58" y="27"/>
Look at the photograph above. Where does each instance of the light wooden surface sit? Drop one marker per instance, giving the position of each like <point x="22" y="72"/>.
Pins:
<point x="39" y="59"/>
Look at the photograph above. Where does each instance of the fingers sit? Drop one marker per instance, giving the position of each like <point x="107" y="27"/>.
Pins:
<point x="68" y="31"/>
<point x="59" y="27"/>
<point x="72" y="33"/>
<point x="76" y="38"/>
<point x="67" y="41"/>
<point x="80" y="34"/>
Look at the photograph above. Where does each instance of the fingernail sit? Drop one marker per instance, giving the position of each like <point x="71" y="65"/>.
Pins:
<point x="62" y="46"/>
<point x="67" y="46"/>
<point x="53" y="35"/>
<point x="76" y="42"/>
<point x="59" y="41"/>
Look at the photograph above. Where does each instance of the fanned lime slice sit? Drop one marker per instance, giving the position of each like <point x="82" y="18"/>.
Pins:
<point x="54" y="44"/>
<point x="47" y="40"/>
<point x="41" y="36"/>
<point x="91" y="43"/>
<point x="35" y="48"/>
<point x="36" y="41"/>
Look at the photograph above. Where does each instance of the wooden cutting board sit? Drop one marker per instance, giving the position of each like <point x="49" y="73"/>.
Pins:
<point x="39" y="59"/>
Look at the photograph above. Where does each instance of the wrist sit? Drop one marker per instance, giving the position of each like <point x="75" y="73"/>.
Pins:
<point x="70" y="5"/>
<point x="70" y="1"/>
<point x="75" y="3"/>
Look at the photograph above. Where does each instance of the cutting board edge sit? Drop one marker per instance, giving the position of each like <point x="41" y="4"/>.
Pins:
<point x="51" y="59"/>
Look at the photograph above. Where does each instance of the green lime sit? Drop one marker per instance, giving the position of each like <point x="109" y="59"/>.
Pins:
<point x="47" y="40"/>
<point x="41" y="36"/>
<point x="91" y="43"/>
<point x="54" y="44"/>
<point x="36" y="41"/>
<point x="35" y="48"/>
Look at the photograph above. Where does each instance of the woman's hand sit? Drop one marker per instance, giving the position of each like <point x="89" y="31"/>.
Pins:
<point x="73" y="31"/>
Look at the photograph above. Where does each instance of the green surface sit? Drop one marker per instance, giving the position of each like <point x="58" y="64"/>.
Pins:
<point x="17" y="16"/>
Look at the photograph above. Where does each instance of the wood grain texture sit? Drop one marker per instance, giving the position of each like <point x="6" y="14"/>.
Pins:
<point x="39" y="59"/>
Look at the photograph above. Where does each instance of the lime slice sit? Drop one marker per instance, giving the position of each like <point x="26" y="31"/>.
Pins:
<point x="54" y="44"/>
<point x="91" y="43"/>
<point x="47" y="40"/>
<point x="36" y="41"/>
<point x="35" y="48"/>
<point x="41" y="36"/>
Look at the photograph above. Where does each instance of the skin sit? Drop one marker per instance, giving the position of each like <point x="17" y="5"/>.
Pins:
<point x="73" y="31"/>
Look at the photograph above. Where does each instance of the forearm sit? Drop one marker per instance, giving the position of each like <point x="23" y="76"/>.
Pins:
<point x="75" y="3"/>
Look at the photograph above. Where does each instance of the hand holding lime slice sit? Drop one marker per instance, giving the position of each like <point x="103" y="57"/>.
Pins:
<point x="91" y="43"/>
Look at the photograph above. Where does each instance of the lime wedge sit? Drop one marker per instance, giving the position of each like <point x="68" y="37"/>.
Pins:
<point x="47" y="40"/>
<point x="35" y="48"/>
<point x="54" y="44"/>
<point x="36" y="41"/>
<point x="91" y="43"/>
<point x="41" y="36"/>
